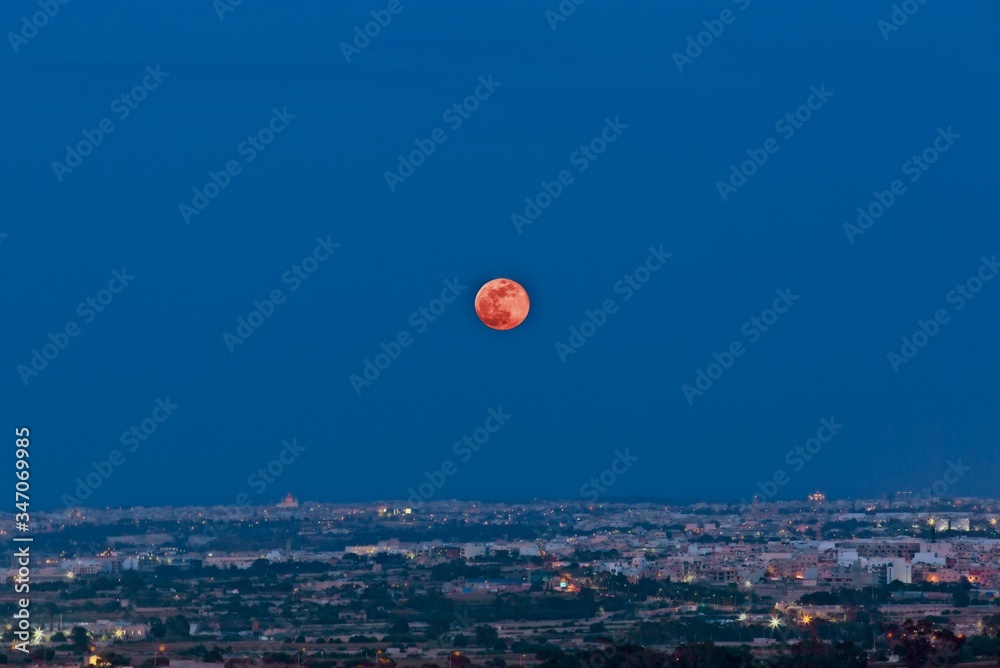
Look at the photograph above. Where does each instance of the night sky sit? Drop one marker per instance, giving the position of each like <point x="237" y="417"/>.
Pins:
<point x="682" y="212"/>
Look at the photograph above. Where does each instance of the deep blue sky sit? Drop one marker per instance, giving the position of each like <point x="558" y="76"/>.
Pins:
<point x="655" y="185"/>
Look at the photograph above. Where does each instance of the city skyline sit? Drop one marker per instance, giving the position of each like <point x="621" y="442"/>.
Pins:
<point x="539" y="583"/>
<point x="817" y="500"/>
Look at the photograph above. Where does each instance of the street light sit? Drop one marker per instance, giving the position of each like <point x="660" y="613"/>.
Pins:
<point x="775" y="623"/>
<point x="161" y="648"/>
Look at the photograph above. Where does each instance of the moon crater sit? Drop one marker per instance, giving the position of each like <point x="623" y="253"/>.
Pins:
<point x="502" y="304"/>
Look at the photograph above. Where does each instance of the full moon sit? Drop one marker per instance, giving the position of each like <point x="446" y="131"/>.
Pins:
<point x="502" y="304"/>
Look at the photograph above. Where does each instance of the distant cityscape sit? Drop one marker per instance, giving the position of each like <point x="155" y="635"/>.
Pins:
<point x="905" y="580"/>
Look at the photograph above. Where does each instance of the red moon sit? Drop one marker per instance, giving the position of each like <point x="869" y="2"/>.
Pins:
<point x="502" y="304"/>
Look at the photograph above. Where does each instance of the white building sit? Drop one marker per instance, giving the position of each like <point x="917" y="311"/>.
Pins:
<point x="470" y="550"/>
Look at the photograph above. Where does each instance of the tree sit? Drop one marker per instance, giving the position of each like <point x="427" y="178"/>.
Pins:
<point x="41" y="654"/>
<point x="461" y="640"/>
<point x="113" y="660"/>
<point x="991" y="624"/>
<point x="486" y="635"/>
<point x="213" y="655"/>
<point x="156" y="628"/>
<point x="922" y="643"/>
<point x="984" y="645"/>
<point x="707" y="655"/>
<point x="177" y="627"/>
<point x="131" y="584"/>
<point x="437" y="627"/>
<point x="815" y="653"/>
<point x="79" y="639"/>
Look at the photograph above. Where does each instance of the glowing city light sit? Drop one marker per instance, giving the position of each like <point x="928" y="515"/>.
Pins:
<point x="775" y="622"/>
